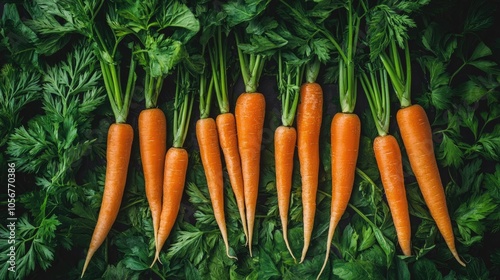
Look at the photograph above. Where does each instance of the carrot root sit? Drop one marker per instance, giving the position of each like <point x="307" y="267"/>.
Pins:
<point x="284" y="149"/>
<point x="417" y="137"/>
<point x="208" y="141"/>
<point x="309" y="117"/>
<point x="119" y="146"/>
<point x="388" y="157"/>
<point x="152" y="140"/>
<point x="226" y="128"/>
<point x="176" y="163"/>
<point x="250" y="113"/>
<point x="345" y="134"/>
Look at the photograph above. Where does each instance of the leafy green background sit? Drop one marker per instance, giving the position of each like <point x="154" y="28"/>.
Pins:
<point x="54" y="116"/>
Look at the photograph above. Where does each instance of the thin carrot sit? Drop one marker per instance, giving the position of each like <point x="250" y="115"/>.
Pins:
<point x="309" y="116"/>
<point x="285" y="138"/>
<point x="153" y="146"/>
<point x="388" y="153"/>
<point x="250" y="113"/>
<point x="228" y="140"/>
<point x="345" y="133"/>
<point x="226" y="122"/>
<point x="176" y="163"/>
<point x="289" y="78"/>
<point x="208" y="142"/>
<point x="176" y="160"/>
<point x="388" y="156"/>
<point x="119" y="145"/>
<point x="417" y="138"/>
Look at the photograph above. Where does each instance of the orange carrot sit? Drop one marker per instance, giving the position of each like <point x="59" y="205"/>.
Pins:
<point x="285" y="138"/>
<point x="250" y="113"/>
<point x="153" y="146"/>
<point x="176" y="163"/>
<point x="309" y="115"/>
<point x="345" y="134"/>
<point x="228" y="140"/>
<point x="208" y="141"/>
<point x="417" y="138"/>
<point x="119" y="145"/>
<point x="388" y="156"/>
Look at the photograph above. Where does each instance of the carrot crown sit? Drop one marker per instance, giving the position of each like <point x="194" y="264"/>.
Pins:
<point x="289" y="78"/>
<point x="183" y="106"/>
<point x="400" y="81"/>
<point x="376" y="87"/>
<point x="218" y="61"/>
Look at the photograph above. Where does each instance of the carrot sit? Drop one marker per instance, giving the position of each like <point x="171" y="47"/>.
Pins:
<point x="119" y="145"/>
<point x="388" y="156"/>
<point x="153" y="146"/>
<point x="250" y="113"/>
<point x="417" y="138"/>
<point x="176" y="163"/>
<point x="176" y="160"/>
<point x="228" y="140"/>
<point x="345" y="134"/>
<point x="226" y="123"/>
<point x="285" y="138"/>
<point x="388" y="153"/>
<point x="309" y="115"/>
<point x="206" y="133"/>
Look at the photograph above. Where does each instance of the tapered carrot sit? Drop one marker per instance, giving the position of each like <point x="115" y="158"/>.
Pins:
<point x="226" y="122"/>
<point x="309" y="116"/>
<point x="345" y="133"/>
<point x="153" y="146"/>
<point x="228" y="140"/>
<point x="388" y="156"/>
<point x="250" y="113"/>
<point x="176" y="163"/>
<point x="388" y="153"/>
<point x="417" y="138"/>
<point x="285" y="138"/>
<point x="176" y="160"/>
<point x="208" y="141"/>
<point x="119" y="145"/>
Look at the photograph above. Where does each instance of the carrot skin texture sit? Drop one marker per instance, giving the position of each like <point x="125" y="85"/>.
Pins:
<point x="389" y="162"/>
<point x="345" y="134"/>
<point x="417" y="137"/>
<point x="250" y="113"/>
<point x="284" y="150"/>
<point x="208" y="141"/>
<point x="153" y="147"/>
<point x="119" y="146"/>
<point x="176" y="163"/>
<point x="309" y="117"/>
<point x="228" y="140"/>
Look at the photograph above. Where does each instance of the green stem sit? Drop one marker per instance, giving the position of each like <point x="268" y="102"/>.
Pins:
<point x="312" y="70"/>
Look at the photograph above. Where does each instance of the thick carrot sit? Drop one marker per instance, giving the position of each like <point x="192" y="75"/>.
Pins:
<point x="176" y="163"/>
<point x="388" y="156"/>
<point x="417" y="138"/>
<point x="345" y="133"/>
<point x="309" y="115"/>
<point x="119" y="145"/>
<point x="208" y="141"/>
<point x="228" y="140"/>
<point x="285" y="138"/>
<point x="250" y="113"/>
<point x="153" y="146"/>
